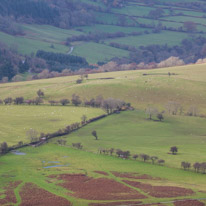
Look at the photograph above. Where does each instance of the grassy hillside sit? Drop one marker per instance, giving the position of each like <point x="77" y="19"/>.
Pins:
<point x="186" y="87"/>
<point x="134" y="132"/>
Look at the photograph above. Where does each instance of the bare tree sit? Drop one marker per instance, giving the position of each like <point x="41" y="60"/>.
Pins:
<point x="3" y="148"/>
<point x="161" y="162"/>
<point x="94" y="133"/>
<point x="32" y="135"/>
<point x="38" y="101"/>
<point x="160" y="117"/>
<point x="135" y="156"/>
<point x="186" y="165"/>
<point x="53" y="102"/>
<point x="193" y="111"/>
<point x="64" y="102"/>
<point x="84" y="119"/>
<point x="151" y="111"/>
<point x="144" y="157"/>
<point x="77" y="145"/>
<point x="197" y="166"/>
<point x="40" y="93"/>
<point x="154" y="159"/>
<point x="8" y="100"/>
<point x="174" y="150"/>
<point x="76" y="100"/>
<point x="19" y="100"/>
<point x="173" y="107"/>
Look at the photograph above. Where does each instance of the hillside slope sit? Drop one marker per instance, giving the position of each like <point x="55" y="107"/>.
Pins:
<point x="187" y="87"/>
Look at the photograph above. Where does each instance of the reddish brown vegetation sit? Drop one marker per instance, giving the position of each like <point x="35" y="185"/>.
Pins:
<point x="134" y="176"/>
<point x="9" y="193"/>
<point x="33" y="195"/>
<point x="101" y="172"/>
<point x="189" y="203"/>
<point x="130" y="203"/>
<point x="97" y="189"/>
<point x="161" y="191"/>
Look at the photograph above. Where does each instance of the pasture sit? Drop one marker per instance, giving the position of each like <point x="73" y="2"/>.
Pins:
<point x="17" y="120"/>
<point x="133" y="131"/>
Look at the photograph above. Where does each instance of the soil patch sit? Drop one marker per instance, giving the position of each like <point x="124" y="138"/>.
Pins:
<point x="134" y="176"/>
<point x="10" y="197"/>
<point x="97" y="189"/>
<point x="129" y="203"/>
<point x="161" y="191"/>
<point x="33" y="195"/>
<point x="189" y="203"/>
<point x="102" y="173"/>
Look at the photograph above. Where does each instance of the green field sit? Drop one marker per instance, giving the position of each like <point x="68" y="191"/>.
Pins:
<point x="17" y="120"/>
<point x="134" y="132"/>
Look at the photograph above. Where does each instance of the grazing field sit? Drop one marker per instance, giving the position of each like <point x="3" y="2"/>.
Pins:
<point x="134" y="132"/>
<point x="17" y="120"/>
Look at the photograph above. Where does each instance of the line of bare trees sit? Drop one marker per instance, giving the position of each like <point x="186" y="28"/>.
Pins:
<point x="198" y="167"/>
<point x="126" y="155"/>
<point x="172" y="108"/>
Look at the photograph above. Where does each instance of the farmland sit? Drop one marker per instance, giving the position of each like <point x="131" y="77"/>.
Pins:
<point x="61" y="175"/>
<point x="137" y="19"/>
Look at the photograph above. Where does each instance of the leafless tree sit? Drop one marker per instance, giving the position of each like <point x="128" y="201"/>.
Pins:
<point x="40" y="93"/>
<point x="84" y="119"/>
<point x="94" y="133"/>
<point x="154" y="159"/>
<point x="64" y="102"/>
<point x="135" y="156"/>
<point x="151" y="111"/>
<point x="144" y="157"/>
<point x="32" y="135"/>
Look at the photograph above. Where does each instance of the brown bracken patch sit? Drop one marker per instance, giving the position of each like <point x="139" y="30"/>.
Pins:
<point x="189" y="203"/>
<point x="102" y="173"/>
<point x="35" y="196"/>
<point x="97" y="189"/>
<point x="134" y="176"/>
<point x="161" y="191"/>
<point x="129" y="203"/>
<point x="9" y="193"/>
